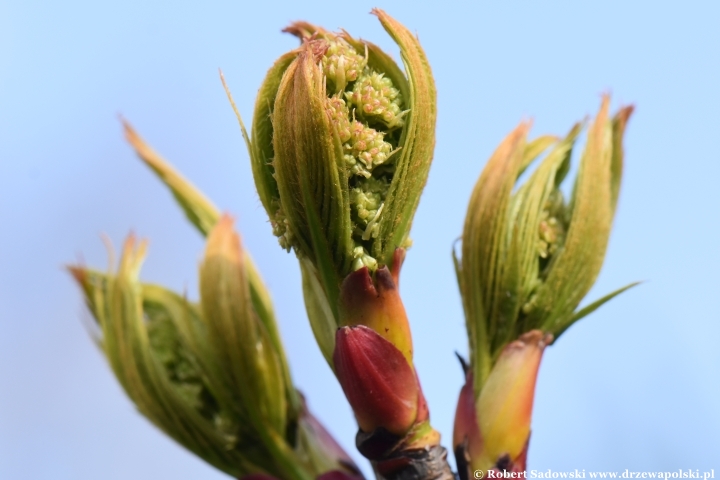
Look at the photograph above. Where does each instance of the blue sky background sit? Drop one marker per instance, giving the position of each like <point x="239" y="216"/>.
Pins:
<point x="636" y="385"/>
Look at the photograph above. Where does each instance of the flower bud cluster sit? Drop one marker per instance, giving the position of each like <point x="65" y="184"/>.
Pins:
<point x="553" y="225"/>
<point x="368" y="146"/>
<point x="360" y="96"/>
<point x="372" y="97"/>
<point x="552" y="231"/>
<point x="375" y="96"/>
<point x="367" y="204"/>
<point x="364" y="148"/>
<point x="341" y="63"/>
<point x="366" y="200"/>
<point x="281" y="228"/>
<point x="340" y="147"/>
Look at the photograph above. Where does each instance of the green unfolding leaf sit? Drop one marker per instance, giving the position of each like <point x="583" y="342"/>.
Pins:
<point x="485" y="245"/>
<point x="529" y="212"/>
<point x="157" y="371"/>
<point x="240" y="344"/>
<point x="578" y="262"/>
<point x="311" y="173"/>
<point x="322" y="319"/>
<point x="417" y="141"/>
<point x="535" y="149"/>
<point x="198" y="209"/>
<point x="203" y="215"/>
<point x="528" y="256"/>
<point x="587" y="310"/>
<point x="262" y="133"/>
<point x="619" y="123"/>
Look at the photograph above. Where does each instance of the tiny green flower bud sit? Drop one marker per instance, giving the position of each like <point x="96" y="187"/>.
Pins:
<point x="376" y="98"/>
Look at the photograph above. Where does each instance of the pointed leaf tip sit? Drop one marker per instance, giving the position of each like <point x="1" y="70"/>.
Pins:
<point x="198" y="209"/>
<point x="224" y="241"/>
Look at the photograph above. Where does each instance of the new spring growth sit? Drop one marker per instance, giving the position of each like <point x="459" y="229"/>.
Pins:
<point x="492" y="431"/>
<point x="373" y="360"/>
<point x="528" y="259"/>
<point x="213" y="374"/>
<point x="341" y="144"/>
<point x="373" y="352"/>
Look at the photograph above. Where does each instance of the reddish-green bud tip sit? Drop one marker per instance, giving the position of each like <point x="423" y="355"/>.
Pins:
<point x="467" y="441"/>
<point x="376" y="304"/>
<point x="378" y="382"/>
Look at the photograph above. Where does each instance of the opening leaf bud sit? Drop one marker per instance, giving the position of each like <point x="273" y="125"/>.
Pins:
<point x="153" y="340"/>
<point x="239" y="342"/>
<point x="528" y="259"/>
<point x="376" y="304"/>
<point x="160" y="347"/>
<point x="528" y="255"/>
<point x="341" y="145"/>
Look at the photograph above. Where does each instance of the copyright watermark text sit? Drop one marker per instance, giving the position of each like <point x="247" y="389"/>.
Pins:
<point x="627" y="474"/>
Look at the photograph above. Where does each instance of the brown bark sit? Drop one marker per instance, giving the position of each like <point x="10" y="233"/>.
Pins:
<point x="423" y="464"/>
<point x="392" y="459"/>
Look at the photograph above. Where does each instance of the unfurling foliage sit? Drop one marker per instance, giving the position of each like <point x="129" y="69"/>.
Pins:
<point x="340" y="147"/>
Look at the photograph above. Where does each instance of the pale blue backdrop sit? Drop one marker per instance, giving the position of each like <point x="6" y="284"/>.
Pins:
<point x="635" y="386"/>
